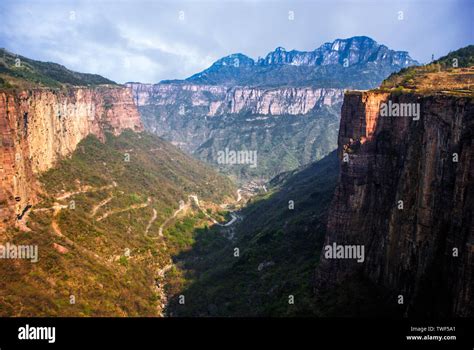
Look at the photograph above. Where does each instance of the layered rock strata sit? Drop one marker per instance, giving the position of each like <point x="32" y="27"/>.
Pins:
<point x="40" y="127"/>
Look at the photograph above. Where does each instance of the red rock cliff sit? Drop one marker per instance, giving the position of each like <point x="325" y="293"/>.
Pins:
<point x="39" y="127"/>
<point x="410" y="251"/>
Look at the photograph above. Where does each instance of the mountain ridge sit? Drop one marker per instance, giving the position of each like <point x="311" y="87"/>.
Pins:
<point x="274" y="105"/>
<point x="18" y="71"/>
<point x="360" y="51"/>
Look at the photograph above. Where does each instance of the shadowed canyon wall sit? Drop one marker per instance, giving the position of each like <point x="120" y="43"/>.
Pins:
<point x="404" y="196"/>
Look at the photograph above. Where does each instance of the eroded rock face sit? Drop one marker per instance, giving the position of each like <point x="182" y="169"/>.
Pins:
<point x="39" y="127"/>
<point x="286" y="126"/>
<point x="391" y="159"/>
<point x="219" y="100"/>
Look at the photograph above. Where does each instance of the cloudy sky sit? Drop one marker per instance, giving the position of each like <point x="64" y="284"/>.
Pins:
<point x="148" y="41"/>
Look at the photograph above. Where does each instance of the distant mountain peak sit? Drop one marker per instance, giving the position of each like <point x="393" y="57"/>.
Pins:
<point x="236" y="60"/>
<point x="308" y="67"/>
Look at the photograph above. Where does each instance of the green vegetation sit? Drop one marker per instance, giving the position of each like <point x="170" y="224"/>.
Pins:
<point x="464" y="57"/>
<point x="451" y="72"/>
<point x="282" y="143"/>
<point x="279" y="250"/>
<point x="107" y="263"/>
<point x="20" y="72"/>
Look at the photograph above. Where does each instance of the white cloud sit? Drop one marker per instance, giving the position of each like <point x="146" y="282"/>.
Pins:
<point x="146" y="41"/>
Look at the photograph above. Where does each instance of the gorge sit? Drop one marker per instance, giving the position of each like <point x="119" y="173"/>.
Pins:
<point x="128" y="224"/>
<point x="285" y="106"/>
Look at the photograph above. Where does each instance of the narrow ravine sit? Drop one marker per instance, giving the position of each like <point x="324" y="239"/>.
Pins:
<point x="194" y="199"/>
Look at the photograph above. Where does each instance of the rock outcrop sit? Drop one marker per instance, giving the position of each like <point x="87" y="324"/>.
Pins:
<point x="405" y="193"/>
<point x="39" y="127"/>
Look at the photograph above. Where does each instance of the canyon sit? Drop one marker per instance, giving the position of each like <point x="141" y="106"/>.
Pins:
<point x="93" y="194"/>
<point x="395" y="190"/>
<point x="221" y="100"/>
<point x="203" y="119"/>
<point x="285" y="106"/>
<point x="399" y="188"/>
<point x="286" y="127"/>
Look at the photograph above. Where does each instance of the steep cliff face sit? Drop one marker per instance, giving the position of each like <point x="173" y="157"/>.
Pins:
<point x="286" y="126"/>
<point x="405" y="193"/>
<point x="39" y="127"/>
<point x="218" y="100"/>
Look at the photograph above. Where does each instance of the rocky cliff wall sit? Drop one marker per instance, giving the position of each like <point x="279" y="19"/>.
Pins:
<point x="220" y="100"/>
<point x="405" y="193"/>
<point x="287" y="127"/>
<point x="39" y="127"/>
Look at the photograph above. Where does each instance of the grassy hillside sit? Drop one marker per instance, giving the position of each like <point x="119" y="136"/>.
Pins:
<point x="454" y="72"/>
<point x="21" y="72"/>
<point x="464" y="57"/>
<point x="97" y="228"/>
